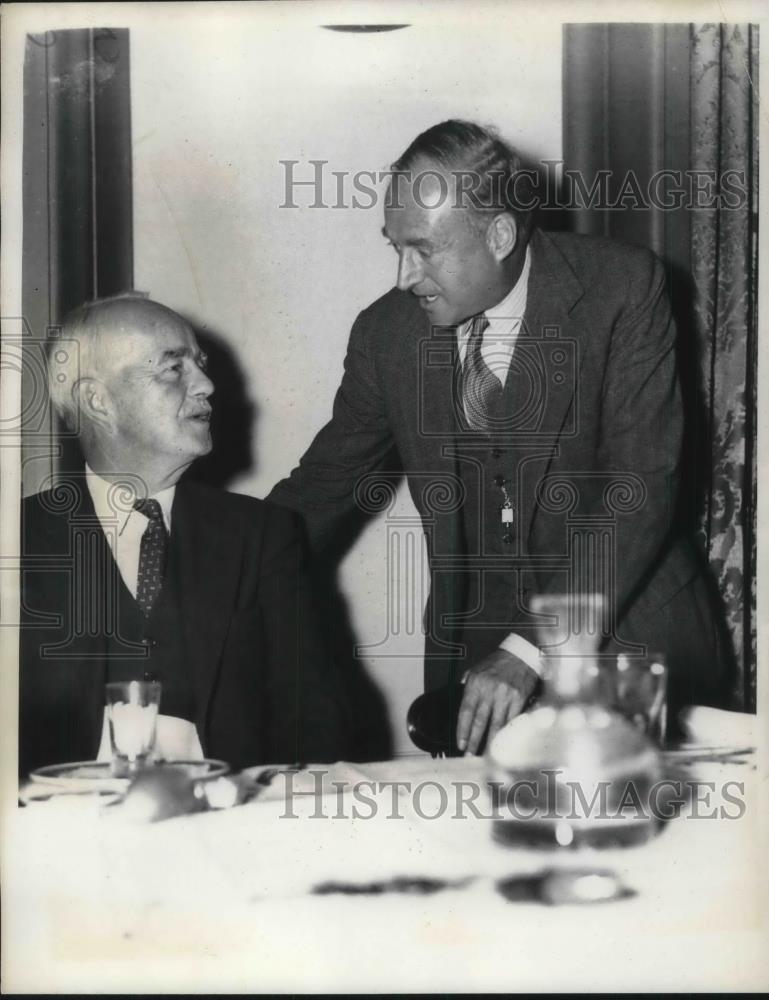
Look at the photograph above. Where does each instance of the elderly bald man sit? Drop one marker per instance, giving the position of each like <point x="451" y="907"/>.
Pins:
<point x="129" y="573"/>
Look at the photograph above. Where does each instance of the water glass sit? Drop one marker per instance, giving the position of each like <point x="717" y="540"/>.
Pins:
<point x="132" y="711"/>
<point x="636" y="686"/>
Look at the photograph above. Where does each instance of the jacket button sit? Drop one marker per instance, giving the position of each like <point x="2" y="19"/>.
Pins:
<point x="149" y="642"/>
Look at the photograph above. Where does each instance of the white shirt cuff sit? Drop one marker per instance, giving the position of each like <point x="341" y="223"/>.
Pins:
<point x="524" y="650"/>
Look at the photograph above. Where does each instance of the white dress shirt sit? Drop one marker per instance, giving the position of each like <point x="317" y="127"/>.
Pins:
<point x="123" y="527"/>
<point x="505" y="320"/>
<point x="497" y="349"/>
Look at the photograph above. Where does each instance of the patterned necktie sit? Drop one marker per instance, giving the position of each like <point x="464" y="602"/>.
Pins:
<point x="480" y="386"/>
<point x="152" y="555"/>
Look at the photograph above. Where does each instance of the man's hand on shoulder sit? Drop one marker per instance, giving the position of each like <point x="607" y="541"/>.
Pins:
<point x="496" y="690"/>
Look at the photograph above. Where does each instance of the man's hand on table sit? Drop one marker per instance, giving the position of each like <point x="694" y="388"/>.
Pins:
<point x="496" y="690"/>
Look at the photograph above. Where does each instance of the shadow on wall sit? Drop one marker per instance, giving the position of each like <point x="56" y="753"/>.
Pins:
<point x="233" y="419"/>
<point x="234" y="454"/>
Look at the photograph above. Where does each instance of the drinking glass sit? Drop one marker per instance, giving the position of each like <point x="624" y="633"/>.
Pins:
<point x="132" y="710"/>
<point x="637" y="688"/>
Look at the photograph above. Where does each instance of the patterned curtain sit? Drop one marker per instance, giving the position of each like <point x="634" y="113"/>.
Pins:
<point x="723" y="94"/>
<point x="648" y="98"/>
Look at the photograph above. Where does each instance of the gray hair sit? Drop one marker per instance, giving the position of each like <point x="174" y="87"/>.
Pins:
<point x="78" y="353"/>
<point x="500" y="182"/>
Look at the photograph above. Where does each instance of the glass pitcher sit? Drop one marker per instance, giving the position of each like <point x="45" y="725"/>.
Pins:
<point x="572" y="772"/>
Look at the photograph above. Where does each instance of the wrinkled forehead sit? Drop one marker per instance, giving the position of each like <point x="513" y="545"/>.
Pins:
<point x="142" y="338"/>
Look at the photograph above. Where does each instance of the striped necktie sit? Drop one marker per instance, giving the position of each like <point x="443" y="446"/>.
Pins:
<point x="152" y="555"/>
<point x="480" y="386"/>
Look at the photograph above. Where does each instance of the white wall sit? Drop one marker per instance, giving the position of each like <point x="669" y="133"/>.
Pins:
<point x="217" y="101"/>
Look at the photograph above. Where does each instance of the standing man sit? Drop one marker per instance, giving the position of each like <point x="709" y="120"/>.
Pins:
<point x="532" y="378"/>
<point x="129" y="573"/>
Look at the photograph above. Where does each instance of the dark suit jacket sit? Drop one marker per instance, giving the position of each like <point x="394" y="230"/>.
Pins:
<point x="263" y="688"/>
<point x="602" y="441"/>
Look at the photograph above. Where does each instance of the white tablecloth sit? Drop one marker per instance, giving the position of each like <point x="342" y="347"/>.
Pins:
<point x="223" y="901"/>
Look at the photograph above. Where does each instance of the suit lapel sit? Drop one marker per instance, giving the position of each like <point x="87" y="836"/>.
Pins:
<point x="433" y="462"/>
<point x="205" y="552"/>
<point x="438" y="359"/>
<point x="560" y="348"/>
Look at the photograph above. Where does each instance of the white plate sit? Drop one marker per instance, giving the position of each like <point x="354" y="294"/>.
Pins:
<point x="89" y="774"/>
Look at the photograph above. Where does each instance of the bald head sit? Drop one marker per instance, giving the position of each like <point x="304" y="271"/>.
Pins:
<point x="92" y="342"/>
<point x="128" y="376"/>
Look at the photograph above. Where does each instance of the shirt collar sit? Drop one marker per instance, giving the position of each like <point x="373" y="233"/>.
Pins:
<point x="114" y="502"/>
<point x="513" y="305"/>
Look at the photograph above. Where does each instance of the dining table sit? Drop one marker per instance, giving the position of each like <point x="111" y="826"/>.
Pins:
<point x="385" y="877"/>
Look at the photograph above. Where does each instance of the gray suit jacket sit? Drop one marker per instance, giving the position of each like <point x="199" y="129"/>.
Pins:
<point x="599" y="446"/>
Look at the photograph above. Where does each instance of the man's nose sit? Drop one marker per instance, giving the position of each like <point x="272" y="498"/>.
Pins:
<point x="201" y="384"/>
<point x="409" y="270"/>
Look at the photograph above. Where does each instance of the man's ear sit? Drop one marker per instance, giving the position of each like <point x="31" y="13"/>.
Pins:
<point x="502" y="235"/>
<point x="94" y="402"/>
